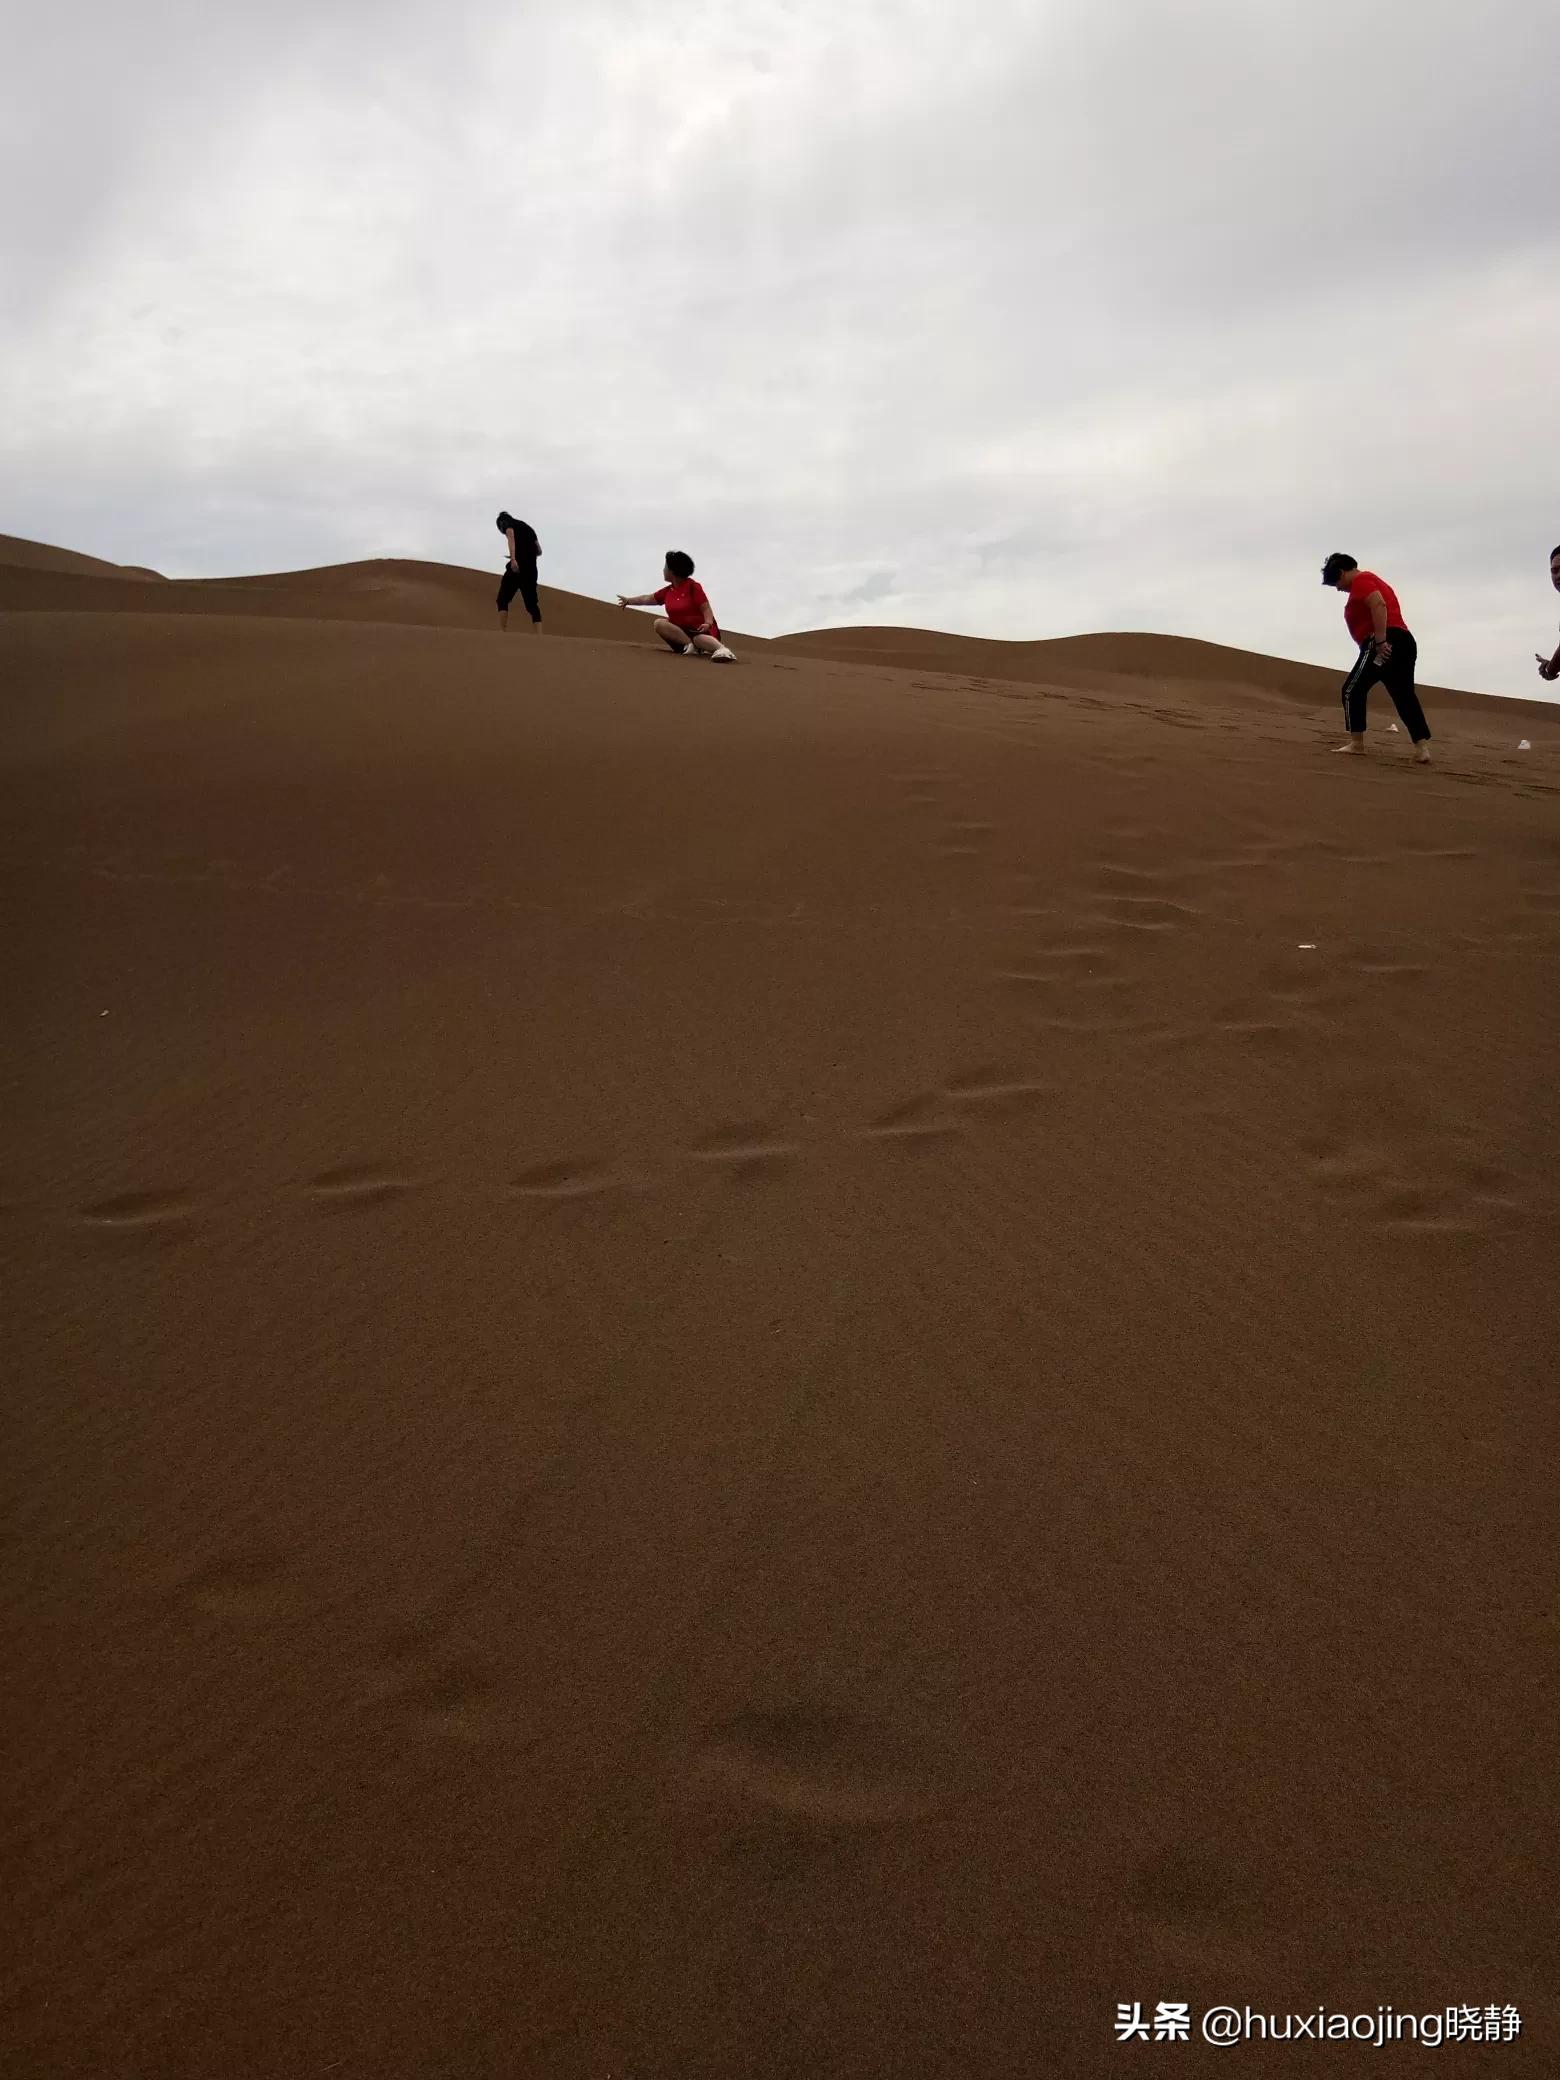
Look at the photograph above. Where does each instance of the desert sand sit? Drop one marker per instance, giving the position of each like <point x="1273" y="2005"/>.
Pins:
<point x="798" y="1370"/>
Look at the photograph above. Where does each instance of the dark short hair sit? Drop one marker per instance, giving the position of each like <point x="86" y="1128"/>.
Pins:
<point x="1335" y="566"/>
<point x="1554" y="552"/>
<point x="679" y="563"/>
<point x="506" y="519"/>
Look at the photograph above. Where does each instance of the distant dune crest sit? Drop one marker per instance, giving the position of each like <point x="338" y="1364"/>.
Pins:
<point x="37" y="577"/>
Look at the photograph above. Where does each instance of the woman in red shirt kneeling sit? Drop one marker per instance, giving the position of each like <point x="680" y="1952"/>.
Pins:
<point x="687" y="624"/>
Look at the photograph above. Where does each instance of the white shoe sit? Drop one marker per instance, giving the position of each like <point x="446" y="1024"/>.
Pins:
<point x="722" y="656"/>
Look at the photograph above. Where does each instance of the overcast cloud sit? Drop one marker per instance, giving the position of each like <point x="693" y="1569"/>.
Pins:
<point x="1016" y="317"/>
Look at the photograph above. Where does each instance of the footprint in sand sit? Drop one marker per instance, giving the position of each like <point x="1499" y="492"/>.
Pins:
<point x="436" y="1689"/>
<point x="1067" y="955"/>
<point x="1184" y="1885"/>
<point x="1295" y="992"/>
<point x="1079" y="956"/>
<point x="1076" y="969"/>
<point x="1065" y="968"/>
<point x="1198" y="1910"/>
<point x="997" y="1091"/>
<point x="1080" y="942"/>
<point x="351" y="1190"/>
<point x="915" y="1123"/>
<point x="1129" y="1029"/>
<point x="155" y="1215"/>
<point x="965" y="840"/>
<point x="1265" y="1035"/>
<point x="1387" y="969"/>
<point x="817" y="1767"/>
<point x="555" y="1181"/>
<point x="245" y="1587"/>
<point x="1145" y="913"/>
<point x="1116" y="879"/>
<point x="1427" y="1191"/>
<point x="745" y="1152"/>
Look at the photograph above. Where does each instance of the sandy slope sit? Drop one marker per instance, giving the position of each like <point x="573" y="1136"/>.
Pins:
<point x="749" y="1373"/>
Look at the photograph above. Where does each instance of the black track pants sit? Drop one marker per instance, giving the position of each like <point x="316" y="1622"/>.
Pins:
<point x="1396" y="675"/>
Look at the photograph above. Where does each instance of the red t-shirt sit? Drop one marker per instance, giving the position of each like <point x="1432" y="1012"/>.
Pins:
<point x="687" y="606"/>
<point x="1357" y="612"/>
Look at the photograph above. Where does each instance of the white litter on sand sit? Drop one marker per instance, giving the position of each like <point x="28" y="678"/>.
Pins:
<point x="1524" y="745"/>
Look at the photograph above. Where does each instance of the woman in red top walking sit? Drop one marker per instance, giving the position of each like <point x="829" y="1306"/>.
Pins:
<point x="1388" y="653"/>
<point x="688" y="626"/>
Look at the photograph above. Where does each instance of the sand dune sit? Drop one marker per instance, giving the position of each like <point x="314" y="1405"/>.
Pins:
<point x="1106" y="660"/>
<point x="16" y="553"/>
<point x="35" y="577"/>
<point x="787" y="1372"/>
<point x="390" y="589"/>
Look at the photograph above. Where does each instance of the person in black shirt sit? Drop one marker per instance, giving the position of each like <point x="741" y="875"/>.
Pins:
<point x="1549" y="667"/>
<point x="520" y="571"/>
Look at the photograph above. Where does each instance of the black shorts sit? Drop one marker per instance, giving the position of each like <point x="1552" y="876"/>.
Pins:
<point x="522" y="581"/>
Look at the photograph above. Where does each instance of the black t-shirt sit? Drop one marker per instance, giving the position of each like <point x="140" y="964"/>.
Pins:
<point x="526" y="544"/>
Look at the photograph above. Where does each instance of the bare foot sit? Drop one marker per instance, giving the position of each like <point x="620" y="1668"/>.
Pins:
<point x="1357" y="749"/>
<point x="1422" y="755"/>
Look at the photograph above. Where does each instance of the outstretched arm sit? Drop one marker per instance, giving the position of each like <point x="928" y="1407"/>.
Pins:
<point x="640" y="599"/>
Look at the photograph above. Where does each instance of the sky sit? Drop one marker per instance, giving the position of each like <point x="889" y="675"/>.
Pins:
<point x="1018" y="319"/>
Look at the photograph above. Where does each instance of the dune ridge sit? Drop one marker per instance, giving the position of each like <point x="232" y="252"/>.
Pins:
<point x="38" y="578"/>
<point x="1102" y="660"/>
<point x="387" y="589"/>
